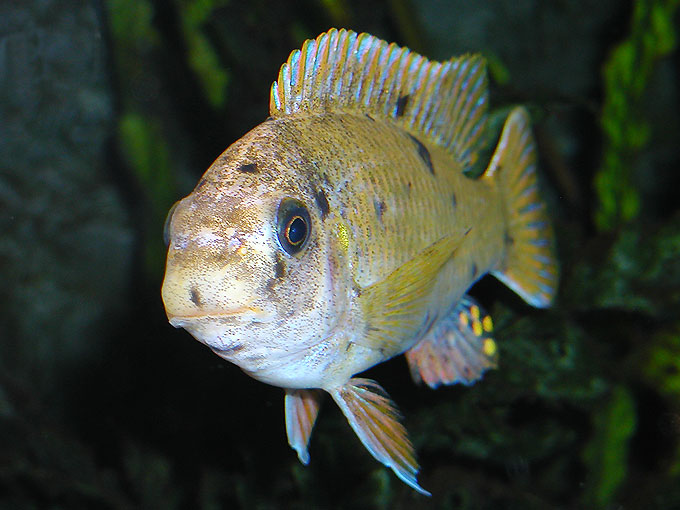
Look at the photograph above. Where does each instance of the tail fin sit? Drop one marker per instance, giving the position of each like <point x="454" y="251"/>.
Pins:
<point x="529" y="267"/>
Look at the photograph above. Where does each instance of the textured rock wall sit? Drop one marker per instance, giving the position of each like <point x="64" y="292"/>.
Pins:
<point x="65" y="242"/>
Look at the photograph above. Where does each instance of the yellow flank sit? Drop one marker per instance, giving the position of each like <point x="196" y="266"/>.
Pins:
<point x="397" y="194"/>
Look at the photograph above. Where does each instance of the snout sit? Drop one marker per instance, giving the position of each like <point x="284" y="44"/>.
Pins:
<point x="191" y="296"/>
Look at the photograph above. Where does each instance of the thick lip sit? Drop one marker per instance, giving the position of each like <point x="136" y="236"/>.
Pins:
<point x="256" y="314"/>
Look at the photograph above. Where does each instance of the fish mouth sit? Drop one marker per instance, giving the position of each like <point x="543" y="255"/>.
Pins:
<point x="250" y="313"/>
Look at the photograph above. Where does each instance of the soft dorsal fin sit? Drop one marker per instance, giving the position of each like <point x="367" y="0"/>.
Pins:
<point x="342" y="71"/>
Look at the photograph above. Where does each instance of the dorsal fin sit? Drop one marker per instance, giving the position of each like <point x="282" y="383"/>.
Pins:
<point x="342" y="71"/>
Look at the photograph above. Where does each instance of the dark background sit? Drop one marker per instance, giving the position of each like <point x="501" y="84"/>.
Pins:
<point x="111" y="110"/>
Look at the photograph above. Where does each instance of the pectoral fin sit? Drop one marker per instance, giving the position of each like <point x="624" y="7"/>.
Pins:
<point x="459" y="348"/>
<point x="395" y="307"/>
<point x="376" y="420"/>
<point x="301" y="406"/>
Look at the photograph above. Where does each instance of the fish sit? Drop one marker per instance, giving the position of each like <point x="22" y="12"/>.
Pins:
<point x="345" y="230"/>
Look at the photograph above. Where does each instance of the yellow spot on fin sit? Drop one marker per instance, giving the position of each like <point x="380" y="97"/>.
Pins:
<point x="395" y="307"/>
<point x="529" y="268"/>
<point x="456" y="349"/>
<point x="342" y="71"/>
<point x="487" y="324"/>
<point x="489" y="347"/>
<point x="301" y="407"/>
<point x="477" y="328"/>
<point x="376" y="420"/>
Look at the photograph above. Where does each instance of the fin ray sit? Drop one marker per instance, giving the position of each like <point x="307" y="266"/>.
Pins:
<point x="377" y="422"/>
<point x="395" y="306"/>
<point x="458" y="349"/>
<point x="343" y="71"/>
<point x="301" y="407"/>
<point x="530" y="268"/>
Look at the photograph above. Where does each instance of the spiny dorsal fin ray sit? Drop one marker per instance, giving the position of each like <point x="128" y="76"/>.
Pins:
<point x="342" y="71"/>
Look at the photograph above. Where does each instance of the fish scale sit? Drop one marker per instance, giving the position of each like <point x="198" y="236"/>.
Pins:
<point x="419" y="216"/>
<point x="342" y="231"/>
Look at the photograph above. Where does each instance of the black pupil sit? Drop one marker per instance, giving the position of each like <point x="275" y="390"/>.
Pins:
<point x="293" y="225"/>
<point x="297" y="231"/>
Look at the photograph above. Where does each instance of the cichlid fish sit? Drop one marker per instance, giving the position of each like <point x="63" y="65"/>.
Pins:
<point x="342" y="232"/>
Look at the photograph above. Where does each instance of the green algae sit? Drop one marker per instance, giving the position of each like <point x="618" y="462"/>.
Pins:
<point x="625" y="128"/>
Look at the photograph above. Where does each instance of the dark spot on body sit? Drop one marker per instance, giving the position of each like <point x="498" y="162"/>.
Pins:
<point x="350" y="344"/>
<point x="508" y="239"/>
<point x="423" y="153"/>
<point x="195" y="296"/>
<point x="279" y="272"/>
<point x="379" y="208"/>
<point x="474" y="270"/>
<point x="401" y="105"/>
<point x="248" y="168"/>
<point x="322" y="203"/>
<point x="279" y="267"/>
<point x="453" y="200"/>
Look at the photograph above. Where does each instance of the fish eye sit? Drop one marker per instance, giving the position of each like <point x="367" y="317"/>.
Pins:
<point x="166" y="225"/>
<point x="293" y="225"/>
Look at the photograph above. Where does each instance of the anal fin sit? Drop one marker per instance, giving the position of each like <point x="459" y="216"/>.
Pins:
<point x="458" y="349"/>
<point x="376" y="420"/>
<point x="301" y="407"/>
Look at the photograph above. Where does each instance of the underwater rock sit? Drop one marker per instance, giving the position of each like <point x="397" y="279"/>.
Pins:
<point x="65" y="248"/>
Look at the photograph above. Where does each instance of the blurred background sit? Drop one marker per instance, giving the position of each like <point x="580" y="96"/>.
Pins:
<point x="110" y="110"/>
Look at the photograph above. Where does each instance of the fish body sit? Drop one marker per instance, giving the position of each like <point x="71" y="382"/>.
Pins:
<point x="342" y="232"/>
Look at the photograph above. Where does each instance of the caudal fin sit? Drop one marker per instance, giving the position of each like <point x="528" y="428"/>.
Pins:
<point x="529" y="267"/>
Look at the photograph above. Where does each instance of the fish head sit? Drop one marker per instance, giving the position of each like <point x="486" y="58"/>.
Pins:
<point x="250" y="270"/>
